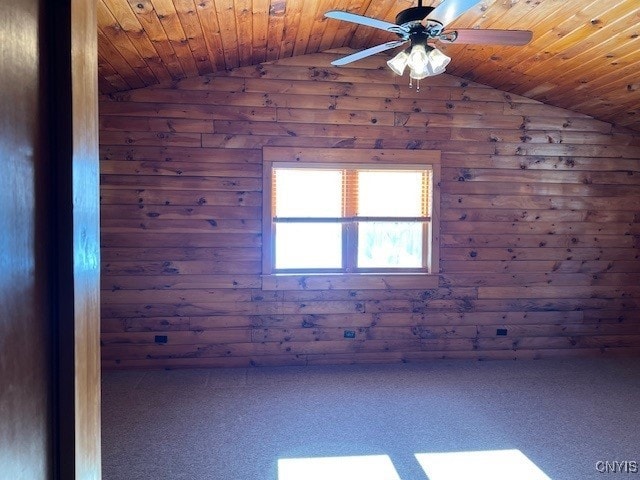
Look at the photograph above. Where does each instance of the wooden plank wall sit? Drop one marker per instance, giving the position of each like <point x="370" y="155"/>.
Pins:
<point x="540" y="231"/>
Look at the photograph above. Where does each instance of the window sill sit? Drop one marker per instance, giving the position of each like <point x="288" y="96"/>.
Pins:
<point x="349" y="281"/>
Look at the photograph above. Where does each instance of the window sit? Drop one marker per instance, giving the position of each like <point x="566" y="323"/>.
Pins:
<point x="325" y="215"/>
<point x="349" y="218"/>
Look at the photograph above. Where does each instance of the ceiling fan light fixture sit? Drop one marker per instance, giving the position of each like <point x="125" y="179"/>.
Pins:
<point x="399" y="62"/>
<point x="438" y="61"/>
<point x="418" y="59"/>
<point x="423" y="61"/>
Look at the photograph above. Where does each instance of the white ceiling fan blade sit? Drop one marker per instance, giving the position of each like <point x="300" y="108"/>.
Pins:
<point x="449" y="10"/>
<point x="362" y="20"/>
<point x="369" y="51"/>
<point x="491" y="37"/>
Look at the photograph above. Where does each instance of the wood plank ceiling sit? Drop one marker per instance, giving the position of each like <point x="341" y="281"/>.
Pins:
<point x="585" y="54"/>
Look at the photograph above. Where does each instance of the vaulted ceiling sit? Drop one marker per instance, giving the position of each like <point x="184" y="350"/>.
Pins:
<point x="584" y="56"/>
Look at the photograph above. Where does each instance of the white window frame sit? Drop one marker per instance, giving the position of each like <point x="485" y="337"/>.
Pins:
<point x="358" y="158"/>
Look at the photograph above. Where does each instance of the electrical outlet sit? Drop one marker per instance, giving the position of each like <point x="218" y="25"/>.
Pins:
<point x="161" y="339"/>
<point x="349" y="334"/>
<point x="501" y="332"/>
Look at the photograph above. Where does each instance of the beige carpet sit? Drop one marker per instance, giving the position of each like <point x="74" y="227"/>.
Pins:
<point x="564" y="418"/>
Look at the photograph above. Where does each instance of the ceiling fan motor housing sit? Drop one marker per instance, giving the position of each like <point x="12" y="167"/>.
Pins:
<point x="413" y="14"/>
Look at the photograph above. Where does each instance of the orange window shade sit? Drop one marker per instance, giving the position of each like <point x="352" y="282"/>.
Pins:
<point x="350" y="191"/>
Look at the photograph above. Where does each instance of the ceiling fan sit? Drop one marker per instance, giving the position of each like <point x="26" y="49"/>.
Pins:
<point x="419" y="25"/>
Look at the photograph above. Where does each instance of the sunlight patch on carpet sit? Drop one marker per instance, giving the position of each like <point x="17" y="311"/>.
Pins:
<point x="480" y="465"/>
<point x="362" y="467"/>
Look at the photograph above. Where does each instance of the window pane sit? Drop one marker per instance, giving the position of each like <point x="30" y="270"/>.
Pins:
<point x="305" y="192"/>
<point x="390" y="245"/>
<point x="308" y="245"/>
<point x="390" y="193"/>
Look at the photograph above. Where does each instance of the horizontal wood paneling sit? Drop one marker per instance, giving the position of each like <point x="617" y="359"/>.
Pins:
<point x="540" y="226"/>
